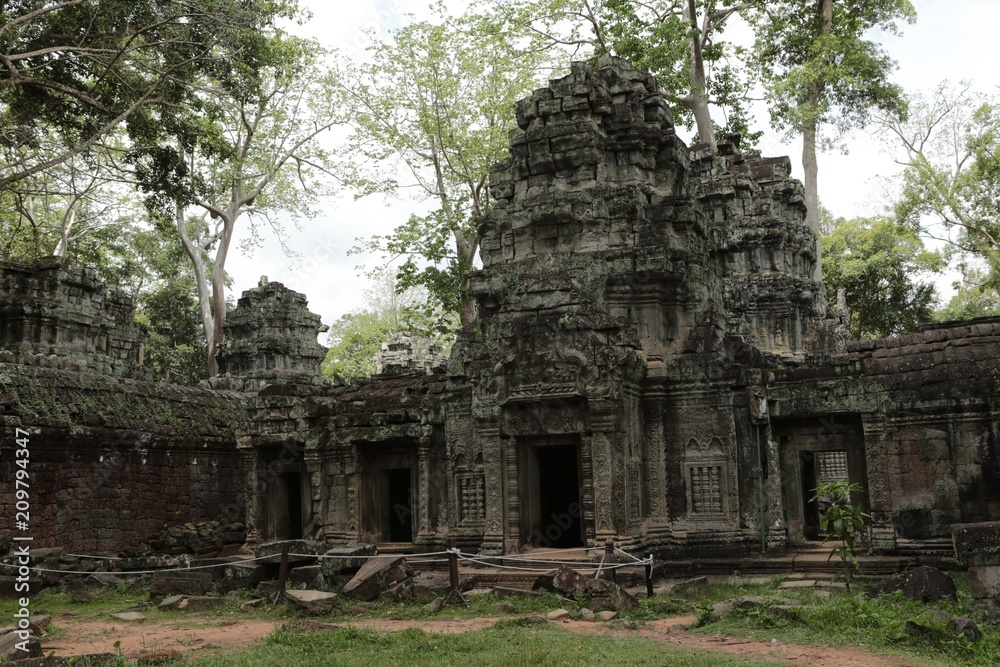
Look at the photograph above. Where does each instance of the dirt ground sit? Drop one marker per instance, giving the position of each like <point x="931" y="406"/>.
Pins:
<point x="195" y="634"/>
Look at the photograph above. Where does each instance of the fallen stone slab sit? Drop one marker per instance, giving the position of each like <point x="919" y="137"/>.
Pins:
<point x="427" y="585"/>
<point x="194" y="582"/>
<point x="434" y="606"/>
<point x="37" y="624"/>
<point x="937" y="622"/>
<point x="608" y="596"/>
<point x="376" y="575"/>
<point x="607" y="615"/>
<point x="238" y="576"/>
<point x="691" y="588"/>
<point x="200" y="603"/>
<point x="557" y="615"/>
<point x="587" y="615"/>
<point x="925" y="584"/>
<point x="305" y="576"/>
<point x="129" y="617"/>
<point x="313" y="602"/>
<point x="347" y="557"/>
<point x="170" y="602"/>
<point x="14" y="646"/>
<point x="569" y="582"/>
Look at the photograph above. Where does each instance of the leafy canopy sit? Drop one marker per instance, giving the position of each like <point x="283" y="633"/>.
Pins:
<point x="879" y="264"/>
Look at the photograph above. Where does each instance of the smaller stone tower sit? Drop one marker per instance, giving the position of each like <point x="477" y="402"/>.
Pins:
<point x="270" y="338"/>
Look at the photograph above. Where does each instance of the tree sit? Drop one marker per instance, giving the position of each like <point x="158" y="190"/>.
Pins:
<point x="949" y="148"/>
<point x="819" y="70"/>
<point x="357" y="337"/>
<point x="254" y="153"/>
<point x="431" y="111"/>
<point x="56" y="207"/>
<point x="974" y="297"/>
<point x="679" y="41"/>
<point x="878" y="263"/>
<point x="167" y="299"/>
<point x="84" y="68"/>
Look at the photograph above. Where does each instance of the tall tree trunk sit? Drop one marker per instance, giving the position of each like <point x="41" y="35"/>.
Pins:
<point x="697" y="101"/>
<point x="193" y="251"/>
<point x="810" y="167"/>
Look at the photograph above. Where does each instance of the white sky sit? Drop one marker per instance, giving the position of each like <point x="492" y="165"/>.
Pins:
<point x="952" y="39"/>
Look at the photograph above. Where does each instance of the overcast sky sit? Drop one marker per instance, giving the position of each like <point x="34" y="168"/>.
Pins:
<point x="952" y="39"/>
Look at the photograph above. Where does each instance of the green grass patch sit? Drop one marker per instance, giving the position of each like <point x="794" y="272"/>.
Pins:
<point x="852" y="620"/>
<point x="507" y="643"/>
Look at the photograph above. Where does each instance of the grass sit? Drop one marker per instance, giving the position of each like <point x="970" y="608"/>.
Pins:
<point x="847" y="620"/>
<point x="852" y="620"/>
<point x="507" y="643"/>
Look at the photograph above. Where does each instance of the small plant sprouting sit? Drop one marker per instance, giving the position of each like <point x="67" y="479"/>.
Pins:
<point x="841" y="521"/>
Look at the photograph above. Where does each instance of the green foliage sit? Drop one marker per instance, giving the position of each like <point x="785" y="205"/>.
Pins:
<point x="841" y="521"/>
<point x="657" y="37"/>
<point x="356" y="337"/>
<point x="431" y="111"/>
<point x="826" y="74"/>
<point x="949" y="147"/>
<point x="82" y="70"/>
<point x="878" y="264"/>
<point x="975" y="297"/>
<point x="354" y="341"/>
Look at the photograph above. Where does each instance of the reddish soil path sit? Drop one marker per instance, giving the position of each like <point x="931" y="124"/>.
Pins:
<point x="193" y="634"/>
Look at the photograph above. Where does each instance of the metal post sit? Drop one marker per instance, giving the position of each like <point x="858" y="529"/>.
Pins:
<point x="609" y="554"/>
<point x="649" y="575"/>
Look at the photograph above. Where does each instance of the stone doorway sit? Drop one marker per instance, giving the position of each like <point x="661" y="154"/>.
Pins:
<point x="388" y="501"/>
<point x="286" y="504"/>
<point x="550" y="495"/>
<point x="815" y="452"/>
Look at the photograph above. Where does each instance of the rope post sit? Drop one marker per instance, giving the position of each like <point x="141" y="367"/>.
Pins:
<point x="609" y="554"/>
<point x="454" y="595"/>
<point x="452" y="566"/>
<point x="649" y="575"/>
<point x="282" y="573"/>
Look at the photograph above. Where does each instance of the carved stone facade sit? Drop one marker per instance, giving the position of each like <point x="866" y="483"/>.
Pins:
<point x="652" y="362"/>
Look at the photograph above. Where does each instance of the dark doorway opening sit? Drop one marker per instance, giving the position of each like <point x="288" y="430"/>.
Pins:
<point x="553" y="494"/>
<point x="399" y="487"/>
<point x="810" y="524"/>
<point x="293" y="485"/>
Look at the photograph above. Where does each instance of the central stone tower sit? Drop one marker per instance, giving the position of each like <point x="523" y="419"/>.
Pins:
<point x="616" y="265"/>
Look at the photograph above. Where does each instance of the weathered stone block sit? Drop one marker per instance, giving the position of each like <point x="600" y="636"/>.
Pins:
<point x="270" y="552"/>
<point x="977" y="543"/>
<point x="351" y="556"/>
<point x="313" y="602"/>
<point x="375" y="576"/>
<point x="180" y="583"/>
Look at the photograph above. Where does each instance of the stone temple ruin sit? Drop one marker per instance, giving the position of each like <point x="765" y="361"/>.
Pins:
<point x="652" y="363"/>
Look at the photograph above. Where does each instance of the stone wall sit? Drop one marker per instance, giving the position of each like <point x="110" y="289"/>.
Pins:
<point x="112" y="461"/>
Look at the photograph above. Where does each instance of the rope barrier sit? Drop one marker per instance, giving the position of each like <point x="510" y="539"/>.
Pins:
<point x="128" y="572"/>
<point x="535" y="569"/>
<point x="359" y="557"/>
<point x="625" y="553"/>
<point x="412" y="558"/>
